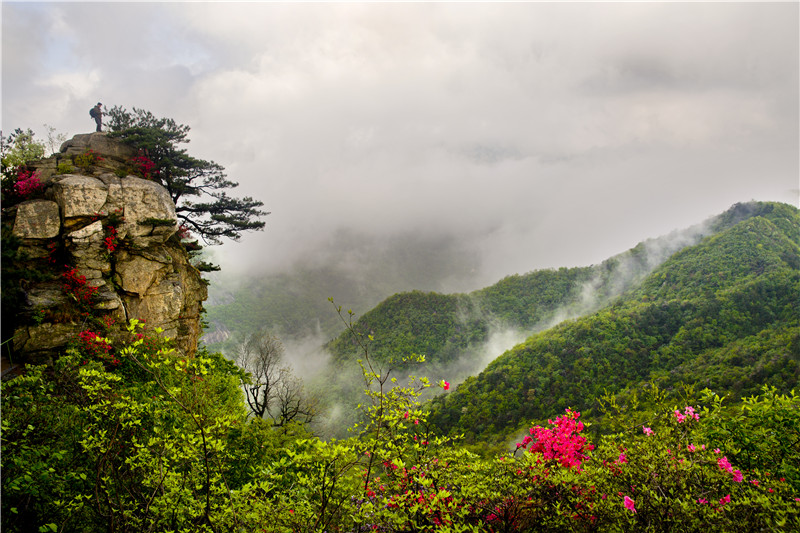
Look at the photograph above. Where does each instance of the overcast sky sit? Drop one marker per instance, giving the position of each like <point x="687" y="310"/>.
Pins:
<point x="531" y="135"/>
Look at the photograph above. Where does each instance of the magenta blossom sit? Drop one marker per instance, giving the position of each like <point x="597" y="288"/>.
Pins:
<point x="629" y="504"/>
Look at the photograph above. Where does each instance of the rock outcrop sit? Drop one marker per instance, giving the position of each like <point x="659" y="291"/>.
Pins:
<point x="107" y="234"/>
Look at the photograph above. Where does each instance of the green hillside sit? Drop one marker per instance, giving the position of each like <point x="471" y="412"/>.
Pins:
<point x="443" y="327"/>
<point x="449" y="327"/>
<point x="724" y="312"/>
<point x="353" y="269"/>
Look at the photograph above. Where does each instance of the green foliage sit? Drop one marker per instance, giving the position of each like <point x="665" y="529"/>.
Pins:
<point x="64" y="168"/>
<point x="16" y="150"/>
<point x="162" y="443"/>
<point x="121" y="433"/>
<point x="416" y="322"/>
<point x="87" y="159"/>
<point x="19" y="148"/>
<point x="143" y="447"/>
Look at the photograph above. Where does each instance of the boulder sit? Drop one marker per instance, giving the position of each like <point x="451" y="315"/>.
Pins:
<point x="100" y="142"/>
<point x="79" y="196"/>
<point x="37" y="219"/>
<point x="146" y="201"/>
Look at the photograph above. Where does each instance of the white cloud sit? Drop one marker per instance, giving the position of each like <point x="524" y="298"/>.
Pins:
<point x="540" y="134"/>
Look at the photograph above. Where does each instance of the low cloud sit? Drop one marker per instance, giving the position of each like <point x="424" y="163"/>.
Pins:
<point x="534" y="135"/>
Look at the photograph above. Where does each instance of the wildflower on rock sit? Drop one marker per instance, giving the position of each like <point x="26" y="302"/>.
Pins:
<point x="27" y="183"/>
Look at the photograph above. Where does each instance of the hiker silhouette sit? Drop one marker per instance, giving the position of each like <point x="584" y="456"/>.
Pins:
<point x="97" y="114"/>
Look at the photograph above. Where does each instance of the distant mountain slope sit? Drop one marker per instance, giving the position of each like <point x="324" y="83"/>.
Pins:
<point x="724" y="312"/>
<point x="446" y="328"/>
<point x="356" y="270"/>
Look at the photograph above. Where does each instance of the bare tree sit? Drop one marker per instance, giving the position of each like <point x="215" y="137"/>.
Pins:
<point x="272" y="389"/>
<point x="291" y="402"/>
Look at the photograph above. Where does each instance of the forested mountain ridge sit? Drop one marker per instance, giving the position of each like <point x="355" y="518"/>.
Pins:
<point x="356" y="270"/>
<point x="449" y="327"/>
<point x="722" y="313"/>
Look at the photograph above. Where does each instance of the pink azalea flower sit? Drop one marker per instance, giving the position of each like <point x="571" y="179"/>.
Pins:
<point x="446" y="385"/>
<point x="691" y="448"/>
<point x="689" y="411"/>
<point x="647" y="430"/>
<point x="622" y="458"/>
<point x="724" y="464"/>
<point x="754" y="482"/>
<point x="725" y="499"/>
<point x="737" y="476"/>
<point x="679" y="416"/>
<point x="629" y="504"/>
<point x="702" y="501"/>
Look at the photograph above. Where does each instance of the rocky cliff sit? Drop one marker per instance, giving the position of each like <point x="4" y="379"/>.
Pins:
<point x="98" y="240"/>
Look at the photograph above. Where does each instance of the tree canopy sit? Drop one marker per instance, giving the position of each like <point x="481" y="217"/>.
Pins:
<point x="198" y="187"/>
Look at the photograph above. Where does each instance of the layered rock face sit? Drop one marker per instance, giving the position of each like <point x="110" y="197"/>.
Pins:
<point x="109" y="230"/>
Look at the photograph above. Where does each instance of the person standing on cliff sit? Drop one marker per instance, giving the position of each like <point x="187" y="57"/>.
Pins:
<point x="97" y="114"/>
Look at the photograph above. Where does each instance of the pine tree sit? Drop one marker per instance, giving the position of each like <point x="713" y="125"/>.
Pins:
<point x="199" y="188"/>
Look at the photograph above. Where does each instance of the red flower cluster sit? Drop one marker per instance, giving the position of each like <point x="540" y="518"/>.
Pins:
<point x="110" y="241"/>
<point x="27" y="183"/>
<point x="77" y="286"/>
<point x="561" y="443"/>
<point x="144" y="165"/>
<point x="95" y="345"/>
<point x="183" y="232"/>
